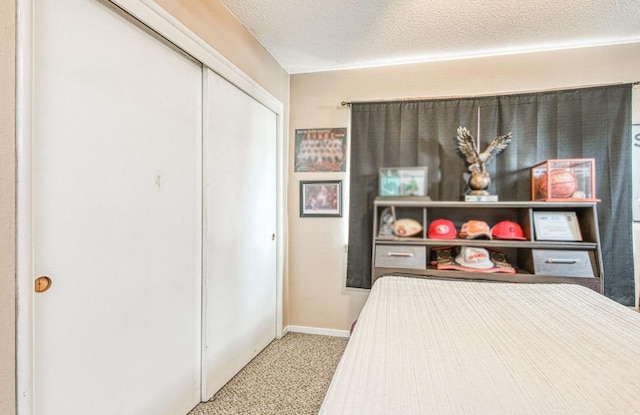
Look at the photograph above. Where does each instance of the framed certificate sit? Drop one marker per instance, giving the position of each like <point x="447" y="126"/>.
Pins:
<point x="556" y="226"/>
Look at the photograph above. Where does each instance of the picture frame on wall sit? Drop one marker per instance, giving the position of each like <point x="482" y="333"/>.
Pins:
<point x="321" y="150"/>
<point x="321" y="198"/>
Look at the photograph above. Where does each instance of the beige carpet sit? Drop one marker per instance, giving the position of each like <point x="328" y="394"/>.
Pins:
<point x="290" y="376"/>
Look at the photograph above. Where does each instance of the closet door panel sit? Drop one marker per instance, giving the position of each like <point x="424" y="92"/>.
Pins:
<point x="240" y="224"/>
<point x="117" y="215"/>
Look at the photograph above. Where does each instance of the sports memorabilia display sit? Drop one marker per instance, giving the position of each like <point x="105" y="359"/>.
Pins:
<point x="403" y="181"/>
<point x="479" y="180"/>
<point x="561" y="184"/>
<point x="473" y="259"/>
<point x="406" y="227"/>
<point x="442" y="229"/>
<point x="543" y="241"/>
<point x="507" y="229"/>
<point x="564" y="180"/>
<point x="475" y="229"/>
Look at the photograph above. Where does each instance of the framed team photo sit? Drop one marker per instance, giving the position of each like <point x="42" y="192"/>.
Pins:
<point x="321" y="150"/>
<point x="321" y="198"/>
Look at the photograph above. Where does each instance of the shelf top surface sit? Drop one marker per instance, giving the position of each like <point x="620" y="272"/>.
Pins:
<point x="498" y="243"/>
<point x="427" y="202"/>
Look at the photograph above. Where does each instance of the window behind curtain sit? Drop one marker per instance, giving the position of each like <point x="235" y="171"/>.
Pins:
<point x="578" y="123"/>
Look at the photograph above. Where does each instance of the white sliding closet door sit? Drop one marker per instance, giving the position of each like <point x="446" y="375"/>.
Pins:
<point x="240" y="224"/>
<point x="117" y="215"/>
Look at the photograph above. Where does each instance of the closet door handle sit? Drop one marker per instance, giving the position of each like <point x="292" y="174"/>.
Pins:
<point x="42" y="284"/>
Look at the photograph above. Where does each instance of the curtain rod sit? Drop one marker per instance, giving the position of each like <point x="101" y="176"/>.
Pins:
<point x="348" y="103"/>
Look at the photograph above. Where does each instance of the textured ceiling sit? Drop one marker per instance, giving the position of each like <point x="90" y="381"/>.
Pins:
<point x="320" y="35"/>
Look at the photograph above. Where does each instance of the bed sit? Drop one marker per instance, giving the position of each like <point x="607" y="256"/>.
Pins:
<point x="429" y="346"/>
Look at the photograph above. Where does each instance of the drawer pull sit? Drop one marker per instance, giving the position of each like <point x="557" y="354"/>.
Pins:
<point x="562" y="261"/>
<point x="400" y="254"/>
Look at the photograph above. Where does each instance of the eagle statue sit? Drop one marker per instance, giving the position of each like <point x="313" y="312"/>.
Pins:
<point x="479" y="180"/>
<point x="477" y="161"/>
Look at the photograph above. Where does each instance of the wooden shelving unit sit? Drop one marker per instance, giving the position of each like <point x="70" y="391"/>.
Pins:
<point x="389" y="254"/>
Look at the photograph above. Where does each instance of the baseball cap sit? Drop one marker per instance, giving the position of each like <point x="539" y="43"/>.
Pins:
<point x="475" y="229"/>
<point x="406" y="227"/>
<point x="474" y="257"/>
<point x="442" y="229"/>
<point x="507" y="230"/>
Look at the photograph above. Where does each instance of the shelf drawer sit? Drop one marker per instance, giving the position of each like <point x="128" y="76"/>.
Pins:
<point x="562" y="263"/>
<point x="401" y="256"/>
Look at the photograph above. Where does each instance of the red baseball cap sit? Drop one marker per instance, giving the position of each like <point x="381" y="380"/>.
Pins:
<point x="507" y="230"/>
<point x="442" y="229"/>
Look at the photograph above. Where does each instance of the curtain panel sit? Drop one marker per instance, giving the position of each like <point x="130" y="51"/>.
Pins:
<point x="577" y="123"/>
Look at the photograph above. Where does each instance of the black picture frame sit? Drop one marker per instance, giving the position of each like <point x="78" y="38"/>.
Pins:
<point x="320" y="198"/>
<point x="320" y="150"/>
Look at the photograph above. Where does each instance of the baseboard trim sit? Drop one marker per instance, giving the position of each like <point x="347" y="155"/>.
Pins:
<point x="316" y="330"/>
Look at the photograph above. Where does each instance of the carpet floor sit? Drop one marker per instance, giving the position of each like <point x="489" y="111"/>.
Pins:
<point x="289" y="377"/>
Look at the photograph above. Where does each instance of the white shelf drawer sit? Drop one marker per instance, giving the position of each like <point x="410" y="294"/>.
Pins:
<point x="401" y="256"/>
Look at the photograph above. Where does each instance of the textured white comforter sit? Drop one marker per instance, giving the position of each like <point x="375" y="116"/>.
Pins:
<point x="460" y="347"/>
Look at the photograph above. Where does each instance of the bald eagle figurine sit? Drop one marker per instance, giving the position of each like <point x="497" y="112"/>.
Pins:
<point x="480" y="180"/>
<point x="477" y="161"/>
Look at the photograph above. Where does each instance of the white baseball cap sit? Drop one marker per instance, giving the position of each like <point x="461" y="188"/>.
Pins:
<point x="474" y="257"/>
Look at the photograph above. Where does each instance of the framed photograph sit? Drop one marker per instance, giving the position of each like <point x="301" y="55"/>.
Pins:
<point x="321" y="198"/>
<point x="556" y="226"/>
<point x="321" y="150"/>
<point x="403" y="181"/>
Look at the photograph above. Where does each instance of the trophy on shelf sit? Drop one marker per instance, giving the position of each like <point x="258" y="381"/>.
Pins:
<point x="479" y="180"/>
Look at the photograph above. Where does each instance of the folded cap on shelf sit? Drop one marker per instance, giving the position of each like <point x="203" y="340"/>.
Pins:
<point x="474" y="229"/>
<point x="507" y="230"/>
<point x="474" y="257"/>
<point x="406" y="227"/>
<point x="442" y="229"/>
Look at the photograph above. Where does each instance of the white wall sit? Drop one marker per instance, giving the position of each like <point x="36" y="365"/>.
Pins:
<point x="317" y="246"/>
<point x="211" y="21"/>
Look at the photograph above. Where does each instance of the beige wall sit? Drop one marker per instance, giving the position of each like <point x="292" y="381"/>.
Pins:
<point x="7" y="204"/>
<point x="213" y="22"/>
<point x="317" y="261"/>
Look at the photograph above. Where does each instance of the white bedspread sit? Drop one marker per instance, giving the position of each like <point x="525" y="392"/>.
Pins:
<point x="462" y="347"/>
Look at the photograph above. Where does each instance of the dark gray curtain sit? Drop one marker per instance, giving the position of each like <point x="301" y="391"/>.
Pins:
<point x="579" y="123"/>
